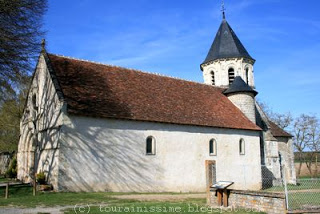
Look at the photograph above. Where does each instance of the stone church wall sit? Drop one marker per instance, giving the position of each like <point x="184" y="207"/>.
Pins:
<point x="285" y="146"/>
<point x="40" y="128"/>
<point x="110" y="155"/>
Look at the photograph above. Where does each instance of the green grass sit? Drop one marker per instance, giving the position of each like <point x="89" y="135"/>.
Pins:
<point x="303" y="195"/>
<point x="104" y="202"/>
<point x="309" y="177"/>
<point x="302" y="184"/>
<point x="299" y="201"/>
<point x="21" y="196"/>
<point x="3" y="179"/>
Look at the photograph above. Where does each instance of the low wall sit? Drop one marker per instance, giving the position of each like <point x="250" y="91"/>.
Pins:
<point x="251" y="200"/>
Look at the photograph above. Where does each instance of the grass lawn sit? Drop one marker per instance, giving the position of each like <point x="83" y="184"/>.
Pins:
<point x="304" y="195"/>
<point x="299" y="201"/>
<point x="302" y="184"/>
<point x="103" y="202"/>
<point x="3" y="179"/>
<point x="22" y="196"/>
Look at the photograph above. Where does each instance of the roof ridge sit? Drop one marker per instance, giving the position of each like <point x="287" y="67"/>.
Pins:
<point x="132" y="69"/>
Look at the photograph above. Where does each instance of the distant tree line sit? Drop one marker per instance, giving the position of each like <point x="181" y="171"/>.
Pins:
<point x="306" y="156"/>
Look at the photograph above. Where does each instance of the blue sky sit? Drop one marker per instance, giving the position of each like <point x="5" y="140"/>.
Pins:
<point x="172" y="37"/>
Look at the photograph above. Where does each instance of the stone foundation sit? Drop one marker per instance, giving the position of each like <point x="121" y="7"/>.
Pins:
<point x="251" y="200"/>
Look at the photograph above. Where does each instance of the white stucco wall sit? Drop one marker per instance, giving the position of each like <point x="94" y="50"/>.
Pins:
<point x="221" y="67"/>
<point x="109" y="155"/>
<point x="39" y="128"/>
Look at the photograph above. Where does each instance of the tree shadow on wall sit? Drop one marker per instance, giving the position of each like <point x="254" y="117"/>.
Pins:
<point x="117" y="163"/>
<point x="85" y="158"/>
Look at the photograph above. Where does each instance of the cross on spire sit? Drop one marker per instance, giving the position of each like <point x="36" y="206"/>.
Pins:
<point x="223" y="9"/>
<point x="43" y="45"/>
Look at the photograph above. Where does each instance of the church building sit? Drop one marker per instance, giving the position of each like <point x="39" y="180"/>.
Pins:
<point x="96" y="127"/>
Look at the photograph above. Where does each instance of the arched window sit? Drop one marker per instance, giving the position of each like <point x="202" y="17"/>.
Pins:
<point x="34" y="102"/>
<point x="213" y="78"/>
<point x="212" y="147"/>
<point x="241" y="147"/>
<point x="150" y="146"/>
<point x="247" y="75"/>
<point x="231" y="75"/>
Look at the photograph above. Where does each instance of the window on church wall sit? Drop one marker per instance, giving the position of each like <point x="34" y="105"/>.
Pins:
<point x="247" y="75"/>
<point x="212" y="147"/>
<point x="34" y="102"/>
<point x="231" y="75"/>
<point x="212" y="78"/>
<point x="150" y="146"/>
<point x="241" y="147"/>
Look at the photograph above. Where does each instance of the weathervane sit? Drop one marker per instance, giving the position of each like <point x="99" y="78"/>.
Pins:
<point x="223" y="9"/>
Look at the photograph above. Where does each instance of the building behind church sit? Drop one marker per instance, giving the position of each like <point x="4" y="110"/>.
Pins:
<point x="97" y="127"/>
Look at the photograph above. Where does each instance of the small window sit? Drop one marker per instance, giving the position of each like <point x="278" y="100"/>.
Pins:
<point x="212" y="147"/>
<point x="34" y="102"/>
<point x="150" y="146"/>
<point x="213" y="78"/>
<point x="247" y="75"/>
<point x="241" y="147"/>
<point x="231" y="75"/>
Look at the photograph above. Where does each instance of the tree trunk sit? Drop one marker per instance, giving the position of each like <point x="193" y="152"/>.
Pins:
<point x="309" y="165"/>
<point x="316" y="170"/>
<point x="300" y="163"/>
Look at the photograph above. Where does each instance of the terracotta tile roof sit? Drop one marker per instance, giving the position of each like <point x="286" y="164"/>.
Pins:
<point x="96" y="90"/>
<point x="276" y="131"/>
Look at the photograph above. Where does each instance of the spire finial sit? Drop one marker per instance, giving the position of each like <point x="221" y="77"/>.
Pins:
<point x="43" y="45"/>
<point x="223" y="9"/>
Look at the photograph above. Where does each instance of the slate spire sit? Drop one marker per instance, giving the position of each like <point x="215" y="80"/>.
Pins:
<point x="226" y="44"/>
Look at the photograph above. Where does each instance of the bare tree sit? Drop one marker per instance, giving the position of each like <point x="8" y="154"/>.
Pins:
<point x="20" y="37"/>
<point x="306" y="132"/>
<point x="313" y="145"/>
<point x="284" y="120"/>
<point x="302" y="136"/>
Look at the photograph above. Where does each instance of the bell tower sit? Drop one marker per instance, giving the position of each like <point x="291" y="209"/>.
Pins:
<point x="227" y="58"/>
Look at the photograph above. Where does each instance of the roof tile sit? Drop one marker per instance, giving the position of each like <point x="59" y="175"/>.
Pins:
<point x="97" y="90"/>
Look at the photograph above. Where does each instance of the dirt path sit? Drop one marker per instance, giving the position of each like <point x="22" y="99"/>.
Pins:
<point x="161" y="197"/>
<point x="305" y="190"/>
<point x="51" y="210"/>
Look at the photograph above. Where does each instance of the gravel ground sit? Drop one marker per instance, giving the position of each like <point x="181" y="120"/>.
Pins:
<point x="160" y="197"/>
<point x="51" y="210"/>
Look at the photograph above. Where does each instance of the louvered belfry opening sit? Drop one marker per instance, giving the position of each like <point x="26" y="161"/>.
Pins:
<point x="231" y="75"/>
<point x="213" y="78"/>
